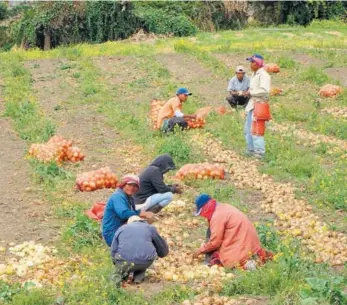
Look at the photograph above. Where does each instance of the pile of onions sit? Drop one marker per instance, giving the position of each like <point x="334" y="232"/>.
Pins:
<point x="204" y="299"/>
<point x="201" y="171"/>
<point x="154" y="110"/>
<point x="275" y="91"/>
<point x="202" y="113"/>
<point x="272" y="68"/>
<point x="56" y="149"/>
<point x="95" y="180"/>
<point x="330" y="90"/>
<point x="196" y="123"/>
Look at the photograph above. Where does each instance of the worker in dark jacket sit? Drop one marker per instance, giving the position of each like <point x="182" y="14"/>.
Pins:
<point x="134" y="248"/>
<point x="154" y="194"/>
<point x="120" y="207"/>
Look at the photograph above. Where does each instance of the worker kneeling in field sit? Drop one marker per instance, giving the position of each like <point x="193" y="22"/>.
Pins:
<point x="233" y="240"/>
<point x="238" y="88"/>
<point x="134" y="248"/>
<point x="121" y="206"/>
<point x="171" y="115"/>
<point x="154" y="194"/>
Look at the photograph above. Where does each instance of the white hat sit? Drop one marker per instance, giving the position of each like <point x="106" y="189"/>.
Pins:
<point x="240" y="69"/>
<point x="134" y="218"/>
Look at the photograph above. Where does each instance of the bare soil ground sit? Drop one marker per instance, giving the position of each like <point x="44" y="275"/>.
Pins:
<point x="339" y="74"/>
<point x="25" y="216"/>
<point x="188" y="72"/>
<point x="308" y="60"/>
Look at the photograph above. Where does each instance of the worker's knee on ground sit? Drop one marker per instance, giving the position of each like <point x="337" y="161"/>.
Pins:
<point x="167" y="198"/>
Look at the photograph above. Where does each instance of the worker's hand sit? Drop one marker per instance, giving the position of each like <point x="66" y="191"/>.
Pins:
<point x="196" y="253"/>
<point x="146" y="215"/>
<point x="177" y="189"/>
<point x="244" y="93"/>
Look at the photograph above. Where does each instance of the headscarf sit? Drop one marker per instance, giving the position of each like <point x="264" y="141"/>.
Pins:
<point x="130" y="178"/>
<point x="208" y="209"/>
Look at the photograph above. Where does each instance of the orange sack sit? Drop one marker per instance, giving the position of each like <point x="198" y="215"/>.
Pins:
<point x="330" y="90"/>
<point x="97" y="211"/>
<point x="272" y="68"/>
<point x="95" y="180"/>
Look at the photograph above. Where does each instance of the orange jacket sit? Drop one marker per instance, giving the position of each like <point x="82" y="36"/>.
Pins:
<point x="232" y="235"/>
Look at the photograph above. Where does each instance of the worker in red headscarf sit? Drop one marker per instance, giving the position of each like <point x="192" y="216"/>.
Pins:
<point x="233" y="240"/>
<point x="120" y="207"/>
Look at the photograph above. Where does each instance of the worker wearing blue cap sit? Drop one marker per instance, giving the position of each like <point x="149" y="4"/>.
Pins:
<point x="171" y="115"/>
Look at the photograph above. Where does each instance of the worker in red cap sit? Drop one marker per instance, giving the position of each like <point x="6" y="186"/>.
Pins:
<point x="120" y="207"/>
<point x="259" y="91"/>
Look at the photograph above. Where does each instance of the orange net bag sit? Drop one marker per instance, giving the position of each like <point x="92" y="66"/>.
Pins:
<point x="95" y="180"/>
<point x="330" y="90"/>
<point x="201" y="171"/>
<point x="272" y="68"/>
<point x="275" y="91"/>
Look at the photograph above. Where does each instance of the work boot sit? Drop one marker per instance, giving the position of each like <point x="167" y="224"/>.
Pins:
<point x="155" y="209"/>
<point x="139" y="277"/>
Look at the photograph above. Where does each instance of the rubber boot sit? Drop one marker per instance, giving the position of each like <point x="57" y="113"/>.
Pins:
<point x="139" y="277"/>
<point x="155" y="209"/>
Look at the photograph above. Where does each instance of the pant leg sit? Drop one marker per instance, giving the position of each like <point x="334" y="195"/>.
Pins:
<point x="162" y="199"/>
<point x="248" y="131"/>
<point x="258" y="143"/>
<point x="140" y="271"/>
<point x="208" y="255"/>
<point x="173" y="122"/>
<point x="242" y="100"/>
<point x="231" y="100"/>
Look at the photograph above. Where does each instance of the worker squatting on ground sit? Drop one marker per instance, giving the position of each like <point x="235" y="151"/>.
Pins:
<point x="232" y="238"/>
<point x="154" y="194"/>
<point x="259" y="91"/>
<point x="171" y="114"/>
<point x="134" y="248"/>
<point x="238" y="88"/>
<point x="120" y="207"/>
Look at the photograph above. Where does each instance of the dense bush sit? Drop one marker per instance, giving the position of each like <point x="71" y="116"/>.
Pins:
<point x="159" y="21"/>
<point x="3" y="11"/>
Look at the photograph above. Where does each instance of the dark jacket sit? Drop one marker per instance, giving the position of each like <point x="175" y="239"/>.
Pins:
<point x="138" y="243"/>
<point x="119" y="208"/>
<point x="152" y="179"/>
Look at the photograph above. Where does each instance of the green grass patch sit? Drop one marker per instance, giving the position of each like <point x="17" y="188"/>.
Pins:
<point x="314" y="75"/>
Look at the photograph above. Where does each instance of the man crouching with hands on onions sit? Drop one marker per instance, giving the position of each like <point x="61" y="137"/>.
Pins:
<point x="120" y="207"/>
<point x="232" y="238"/>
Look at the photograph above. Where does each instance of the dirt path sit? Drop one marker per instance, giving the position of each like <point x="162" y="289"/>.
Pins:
<point x="81" y="122"/>
<point x="25" y="216"/>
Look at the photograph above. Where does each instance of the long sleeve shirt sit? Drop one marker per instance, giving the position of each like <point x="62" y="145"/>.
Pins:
<point x="236" y="85"/>
<point x="259" y="88"/>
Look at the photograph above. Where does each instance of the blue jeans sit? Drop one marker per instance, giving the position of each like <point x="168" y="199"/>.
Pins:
<point x="255" y="144"/>
<point x="162" y="199"/>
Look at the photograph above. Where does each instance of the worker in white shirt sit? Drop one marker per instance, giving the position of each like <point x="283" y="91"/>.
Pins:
<point x="259" y="91"/>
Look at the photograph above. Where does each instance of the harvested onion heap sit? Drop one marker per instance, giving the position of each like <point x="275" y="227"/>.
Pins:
<point x="310" y="138"/>
<point x="330" y="90"/>
<point x="337" y="112"/>
<point x="201" y="171"/>
<point x="56" y="149"/>
<point x="272" y="68"/>
<point x="196" y="123"/>
<point x="28" y="255"/>
<point x="275" y="91"/>
<point x="154" y="110"/>
<point x="295" y="216"/>
<point x="95" y="180"/>
<point x="179" y="266"/>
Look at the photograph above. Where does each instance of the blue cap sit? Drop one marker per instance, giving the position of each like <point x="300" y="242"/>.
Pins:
<point x="200" y="201"/>
<point x="255" y="56"/>
<point x="183" y="91"/>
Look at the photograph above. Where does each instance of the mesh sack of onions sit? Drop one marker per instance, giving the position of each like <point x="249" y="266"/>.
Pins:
<point x="155" y="106"/>
<point x="201" y="171"/>
<point x="95" y="180"/>
<point x="272" y="68"/>
<point x="56" y="149"/>
<point x="330" y="90"/>
<point x="202" y="113"/>
<point x="196" y="123"/>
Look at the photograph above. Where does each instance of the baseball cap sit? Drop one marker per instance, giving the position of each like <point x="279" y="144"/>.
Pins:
<point x="200" y="201"/>
<point x="240" y="69"/>
<point x="256" y="58"/>
<point x="183" y="91"/>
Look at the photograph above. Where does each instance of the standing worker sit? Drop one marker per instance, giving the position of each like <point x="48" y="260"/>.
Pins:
<point x="259" y="93"/>
<point x="238" y="88"/>
<point x="171" y="115"/>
